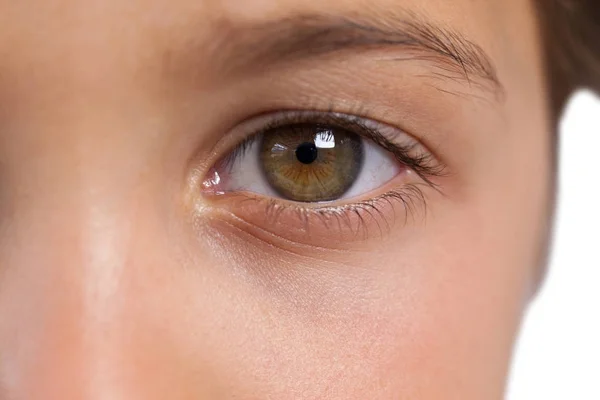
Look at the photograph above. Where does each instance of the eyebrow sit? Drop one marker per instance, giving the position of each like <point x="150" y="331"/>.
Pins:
<point x="308" y="36"/>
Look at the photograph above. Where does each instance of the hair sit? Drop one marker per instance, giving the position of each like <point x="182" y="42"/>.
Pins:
<point x="571" y="37"/>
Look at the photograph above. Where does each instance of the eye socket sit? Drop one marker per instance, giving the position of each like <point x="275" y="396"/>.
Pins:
<point x="310" y="157"/>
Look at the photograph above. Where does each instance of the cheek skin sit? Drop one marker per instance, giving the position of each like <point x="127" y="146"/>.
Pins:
<point x="380" y="311"/>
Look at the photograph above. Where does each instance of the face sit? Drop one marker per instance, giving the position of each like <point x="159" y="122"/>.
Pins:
<point x="255" y="199"/>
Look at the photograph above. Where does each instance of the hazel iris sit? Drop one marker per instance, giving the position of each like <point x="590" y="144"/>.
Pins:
<point x="311" y="163"/>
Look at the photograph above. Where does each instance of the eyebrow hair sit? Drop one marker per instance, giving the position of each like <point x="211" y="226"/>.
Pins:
<point x="306" y="36"/>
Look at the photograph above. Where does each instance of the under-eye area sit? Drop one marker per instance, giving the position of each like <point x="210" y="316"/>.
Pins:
<point x="321" y="172"/>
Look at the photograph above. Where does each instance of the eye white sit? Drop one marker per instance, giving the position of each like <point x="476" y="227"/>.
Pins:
<point x="379" y="167"/>
<point x="246" y="173"/>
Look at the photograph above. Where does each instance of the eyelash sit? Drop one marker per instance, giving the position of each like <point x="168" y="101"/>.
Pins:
<point x="410" y="196"/>
<point x="424" y="165"/>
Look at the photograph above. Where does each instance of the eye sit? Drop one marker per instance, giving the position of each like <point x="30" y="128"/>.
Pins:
<point x="316" y="158"/>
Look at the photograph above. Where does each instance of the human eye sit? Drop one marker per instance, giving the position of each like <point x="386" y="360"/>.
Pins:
<point x="324" y="164"/>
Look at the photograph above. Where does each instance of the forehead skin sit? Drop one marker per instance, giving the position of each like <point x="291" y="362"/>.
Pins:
<point x="118" y="281"/>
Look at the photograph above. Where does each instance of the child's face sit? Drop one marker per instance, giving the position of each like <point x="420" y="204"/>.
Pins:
<point x="136" y="264"/>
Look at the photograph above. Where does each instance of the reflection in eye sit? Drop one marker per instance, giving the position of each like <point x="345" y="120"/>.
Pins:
<point x="318" y="158"/>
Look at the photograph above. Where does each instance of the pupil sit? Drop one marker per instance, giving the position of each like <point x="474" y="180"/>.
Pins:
<point x="307" y="153"/>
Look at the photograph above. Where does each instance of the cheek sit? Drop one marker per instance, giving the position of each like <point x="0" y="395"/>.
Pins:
<point x="437" y="302"/>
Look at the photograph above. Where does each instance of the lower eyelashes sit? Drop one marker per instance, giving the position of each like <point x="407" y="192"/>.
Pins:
<point x="326" y="226"/>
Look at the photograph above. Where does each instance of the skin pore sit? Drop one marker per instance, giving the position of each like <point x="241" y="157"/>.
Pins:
<point x="122" y="277"/>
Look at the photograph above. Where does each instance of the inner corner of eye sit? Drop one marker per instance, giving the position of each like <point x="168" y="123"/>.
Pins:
<point x="212" y="181"/>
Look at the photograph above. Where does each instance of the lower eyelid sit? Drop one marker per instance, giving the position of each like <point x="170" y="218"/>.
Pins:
<point x="332" y="226"/>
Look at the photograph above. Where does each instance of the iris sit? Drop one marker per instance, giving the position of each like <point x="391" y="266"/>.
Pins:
<point x="311" y="163"/>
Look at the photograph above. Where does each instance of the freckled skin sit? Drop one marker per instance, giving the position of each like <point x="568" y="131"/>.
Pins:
<point x="119" y="279"/>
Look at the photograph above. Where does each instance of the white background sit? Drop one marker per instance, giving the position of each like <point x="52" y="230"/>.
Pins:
<point x="558" y="354"/>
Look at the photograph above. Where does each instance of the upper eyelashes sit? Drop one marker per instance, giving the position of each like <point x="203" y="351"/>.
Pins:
<point x="311" y="157"/>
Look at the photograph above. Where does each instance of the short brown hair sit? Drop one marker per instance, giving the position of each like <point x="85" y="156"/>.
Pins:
<point x="571" y="33"/>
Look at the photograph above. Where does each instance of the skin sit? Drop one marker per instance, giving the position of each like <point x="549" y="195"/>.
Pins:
<point x="120" y="279"/>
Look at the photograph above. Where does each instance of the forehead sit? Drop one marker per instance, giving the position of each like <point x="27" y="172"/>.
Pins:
<point x="85" y="43"/>
<point x="171" y="23"/>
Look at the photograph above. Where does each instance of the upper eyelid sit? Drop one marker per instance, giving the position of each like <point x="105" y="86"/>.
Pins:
<point x="270" y="120"/>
